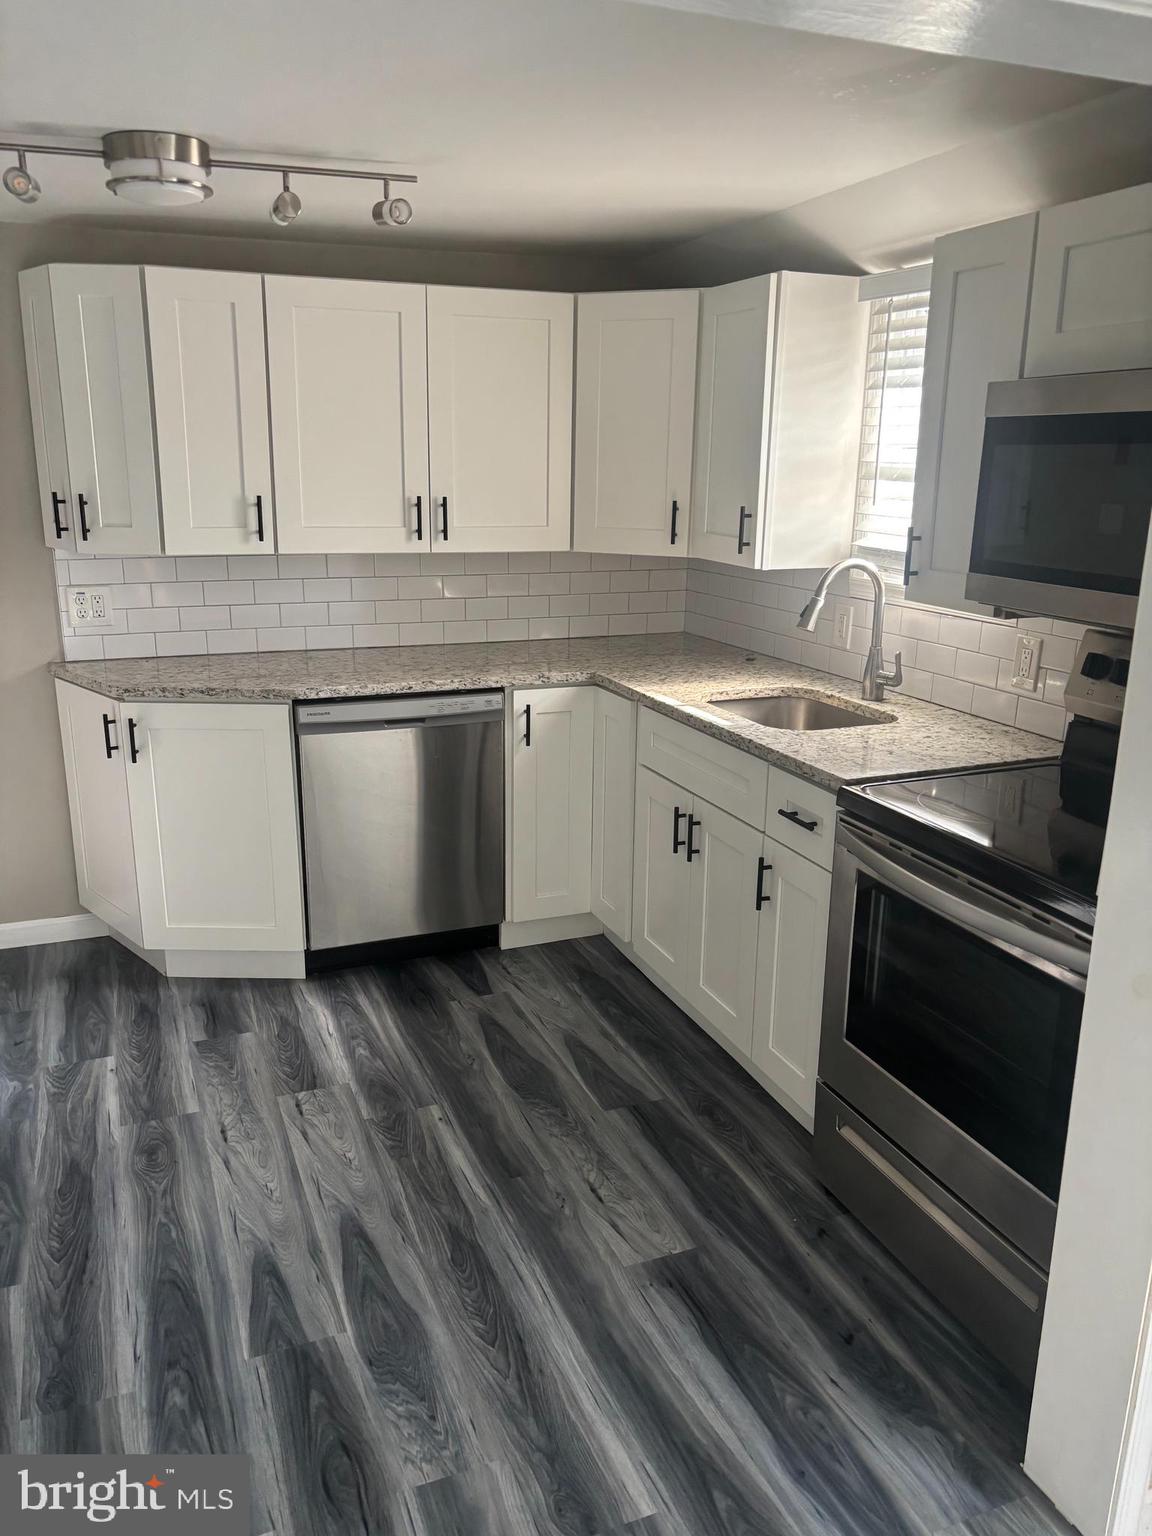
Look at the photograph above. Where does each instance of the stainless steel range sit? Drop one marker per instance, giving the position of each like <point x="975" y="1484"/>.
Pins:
<point x="961" y="927"/>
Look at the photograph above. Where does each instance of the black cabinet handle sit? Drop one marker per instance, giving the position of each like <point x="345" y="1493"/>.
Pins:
<point x="675" y="517"/>
<point x="109" y="745"/>
<point x="693" y="821"/>
<point x="57" y="503"/>
<point x="82" y="507"/>
<point x="527" y="725"/>
<point x="444" y="515"/>
<point x="761" y="895"/>
<point x="795" y="816"/>
<point x="677" y="840"/>
<point x="419" y="517"/>
<point x="913" y="538"/>
<point x="133" y="749"/>
<point x="260" y="518"/>
<point x="741" y="542"/>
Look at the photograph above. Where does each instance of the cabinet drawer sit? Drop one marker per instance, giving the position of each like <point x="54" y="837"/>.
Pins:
<point x="792" y="802"/>
<point x="735" y="781"/>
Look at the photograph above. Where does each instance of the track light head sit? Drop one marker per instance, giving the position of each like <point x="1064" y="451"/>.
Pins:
<point x="392" y="210"/>
<point x="19" y="180"/>
<point x="286" y="205"/>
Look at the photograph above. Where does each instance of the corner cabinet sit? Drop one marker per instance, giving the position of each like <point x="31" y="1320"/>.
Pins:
<point x="977" y="320"/>
<point x="184" y="821"/>
<point x="500" y="419"/>
<point x="551" y="803"/>
<point x="210" y="383"/>
<point x="1092" y="288"/>
<point x="613" y="807"/>
<point x="635" y="403"/>
<point x="91" y="401"/>
<point x="778" y="407"/>
<point x="348" y="380"/>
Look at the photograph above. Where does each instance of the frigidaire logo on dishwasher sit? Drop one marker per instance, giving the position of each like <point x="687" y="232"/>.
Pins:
<point x="65" y="1494"/>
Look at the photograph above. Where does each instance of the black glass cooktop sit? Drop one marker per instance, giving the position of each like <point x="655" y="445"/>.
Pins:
<point x="1036" y="833"/>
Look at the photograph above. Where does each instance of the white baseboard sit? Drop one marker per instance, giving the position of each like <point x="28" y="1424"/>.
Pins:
<point x="51" y="930"/>
<point x="548" y="930"/>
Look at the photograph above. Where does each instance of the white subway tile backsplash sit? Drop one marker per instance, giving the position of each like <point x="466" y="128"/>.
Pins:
<point x="465" y="631"/>
<point x="308" y="565"/>
<point x="201" y="568"/>
<point x="530" y="564"/>
<point x="205" y="618"/>
<point x="935" y="658"/>
<point x="224" y="641"/>
<point x="375" y="634"/>
<point x="420" y="586"/>
<point x="327" y="589"/>
<point x="147" y="568"/>
<point x="256" y="616"/>
<point x="148" y="620"/>
<point x="117" y="647"/>
<point x="180" y="643"/>
<point x="286" y="639"/>
<point x="469" y="586"/>
<point x="421" y="634"/>
<point x="241" y="566"/>
<point x="227" y="592"/>
<point x="548" y="629"/>
<point x="442" y="608"/>
<point x="361" y="612"/>
<point x="174" y="594"/>
<point x="522" y="607"/>
<point x="552" y="584"/>
<point x="328" y="637"/>
<point x="279" y="590"/>
<point x="351" y="565"/>
<point x="1045" y="719"/>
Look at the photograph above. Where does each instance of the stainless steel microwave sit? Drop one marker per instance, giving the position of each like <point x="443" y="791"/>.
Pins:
<point x="1062" y="508"/>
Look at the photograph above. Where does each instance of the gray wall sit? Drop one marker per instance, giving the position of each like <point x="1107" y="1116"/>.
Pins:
<point x="37" y="877"/>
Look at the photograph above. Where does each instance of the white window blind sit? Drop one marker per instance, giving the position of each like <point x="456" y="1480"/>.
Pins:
<point x="893" y="383"/>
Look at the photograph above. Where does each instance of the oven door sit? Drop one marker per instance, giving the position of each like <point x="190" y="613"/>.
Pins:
<point x="951" y="1022"/>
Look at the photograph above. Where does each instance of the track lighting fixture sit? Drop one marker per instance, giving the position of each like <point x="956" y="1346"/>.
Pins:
<point x="392" y="210"/>
<point x="19" y="180"/>
<point x="162" y="169"/>
<point x="286" y="205"/>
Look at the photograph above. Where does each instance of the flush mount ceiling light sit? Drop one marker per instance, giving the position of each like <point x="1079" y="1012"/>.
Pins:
<point x="160" y="169"/>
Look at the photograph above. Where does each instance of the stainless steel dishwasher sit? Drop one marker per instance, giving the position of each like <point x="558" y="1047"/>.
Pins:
<point x="403" y="812"/>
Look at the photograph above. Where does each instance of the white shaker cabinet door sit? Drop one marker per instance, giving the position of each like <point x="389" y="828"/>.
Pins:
<point x="47" y="409"/>
<point x="210" y="385"/>
<point x="662" y="879"/>
<point x="635" y="402"/>
<point x="977" y="320"/>
<point x="500" y="419"/>
<point x="613" y="809"/>
<point x="1091" y="305"/>
<point x="790" y="974"/>
<point x="107" y="405"/>
<point x="732" y="419"/>
<point x="348" y="380"/>
<point x="94" y="769"/>
<point x="723" y="922"/>
<point x="212" y="789"/>
<point x="551" y="802"/>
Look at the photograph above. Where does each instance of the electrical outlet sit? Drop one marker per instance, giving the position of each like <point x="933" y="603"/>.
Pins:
<point x="843" y="626"/>
<point x="90" y="608"/>
<point x="1026" y="665"/>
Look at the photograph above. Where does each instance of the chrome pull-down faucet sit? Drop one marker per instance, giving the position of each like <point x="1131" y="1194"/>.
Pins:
<point x="875" y="676"/>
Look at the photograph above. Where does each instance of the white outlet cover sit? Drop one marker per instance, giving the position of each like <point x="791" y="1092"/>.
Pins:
<point x="82" y="601"/>
<point x="1026" y="663"/>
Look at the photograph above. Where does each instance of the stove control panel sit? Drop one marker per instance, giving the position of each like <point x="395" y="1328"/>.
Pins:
<point x="1099" y="677"/>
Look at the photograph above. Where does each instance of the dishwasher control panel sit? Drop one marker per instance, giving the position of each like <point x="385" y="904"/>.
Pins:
<point x="405" y="709"/>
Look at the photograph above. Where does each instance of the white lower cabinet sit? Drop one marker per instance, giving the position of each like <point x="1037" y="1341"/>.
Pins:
<point x="212" y="793"/>
<point x="92" y="736"/>
<point x="793" y="934"/>
<point x="722" y="859"/>
<point x="734" y="924"/>
<point x="613" y="808"/>
<point x="551" y="803"/>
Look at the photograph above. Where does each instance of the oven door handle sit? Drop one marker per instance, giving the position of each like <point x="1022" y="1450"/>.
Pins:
<point x="1026" y="940"/>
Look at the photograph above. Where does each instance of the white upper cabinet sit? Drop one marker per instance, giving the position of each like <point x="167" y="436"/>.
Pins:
<point x="977" y="320"/>
<point x="635" y="401"/>
<point x="500" y="418"/>
<point x="212" y="792"/>
<point x="551" y="802"/>
<point x="91" y="408"/>
<point x="209" y="376"/>
<point x="778" y="408"/>
<point x="348" y="380"/>
<point x="1092" y="287"/>
<point x="47" y="408"/>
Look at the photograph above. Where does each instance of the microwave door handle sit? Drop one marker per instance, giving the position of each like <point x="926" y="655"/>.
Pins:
<point x="1023" y="939"/>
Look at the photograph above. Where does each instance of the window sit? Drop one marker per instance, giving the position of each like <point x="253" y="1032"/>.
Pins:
<point x="892" y="386"/>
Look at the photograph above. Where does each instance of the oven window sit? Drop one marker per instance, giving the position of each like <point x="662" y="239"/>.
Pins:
<point x="983" y="1038"/>
<point x="1065" y="500"/>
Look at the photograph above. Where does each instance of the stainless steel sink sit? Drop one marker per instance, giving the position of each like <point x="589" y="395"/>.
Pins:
<point x="799" y="712"/>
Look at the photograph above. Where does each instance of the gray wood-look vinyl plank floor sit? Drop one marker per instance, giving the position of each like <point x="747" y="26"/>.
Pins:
<point x="496" y="1244"/>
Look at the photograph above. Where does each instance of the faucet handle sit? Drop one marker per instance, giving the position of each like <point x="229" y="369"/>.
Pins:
<point x="895" y="678"/>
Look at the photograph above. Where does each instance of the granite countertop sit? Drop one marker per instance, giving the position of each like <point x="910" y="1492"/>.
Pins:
<point x="675" y="674"/>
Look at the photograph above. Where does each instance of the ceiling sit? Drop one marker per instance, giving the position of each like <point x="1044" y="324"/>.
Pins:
<point x="531" y="123"/>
